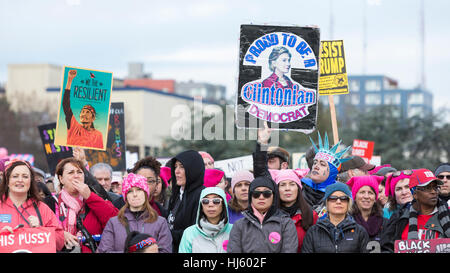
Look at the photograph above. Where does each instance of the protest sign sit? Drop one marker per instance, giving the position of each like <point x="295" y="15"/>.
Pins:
<point x="26" y="157"/>
<point x="28" y="240"/>
<point x="115" y="147"/>
<point x="333" y="73"/>
<point x="423" y="246"/>
<point x="278" y="77"/>
<point x="54" y="153"/>
<point x="363" y="148"/>
<point x="232" y="165"/>
<point x="83" y="116"/>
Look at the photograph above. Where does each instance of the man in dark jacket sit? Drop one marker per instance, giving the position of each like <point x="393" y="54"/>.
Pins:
<point x="188" y="170"/>
<point x="426" y="218"/>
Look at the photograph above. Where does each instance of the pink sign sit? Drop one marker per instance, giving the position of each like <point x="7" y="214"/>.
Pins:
<point x="29" y="240"/>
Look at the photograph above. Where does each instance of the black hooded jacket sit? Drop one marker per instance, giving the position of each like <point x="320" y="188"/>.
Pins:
<point x="182" y="214"/>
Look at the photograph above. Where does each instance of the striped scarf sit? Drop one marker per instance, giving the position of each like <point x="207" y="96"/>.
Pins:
<point x="443" y="218"/>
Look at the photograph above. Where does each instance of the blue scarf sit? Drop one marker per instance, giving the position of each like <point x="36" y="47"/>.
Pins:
<point x="321" y="186"/>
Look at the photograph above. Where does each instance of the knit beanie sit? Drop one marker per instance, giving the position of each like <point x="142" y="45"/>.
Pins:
<point x="134" y="180"/>
<point x="239" y="176"/>
<point x="212" y="177"/>
<point x="357" y="182"/>
<point x="165" y="175"/>
<point x="287" y="174"/>
<point x="338" y="186"/>
<point x="206" y="155"/>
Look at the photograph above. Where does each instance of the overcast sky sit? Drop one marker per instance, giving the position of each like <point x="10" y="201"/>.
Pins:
<point x="198" y="40"/>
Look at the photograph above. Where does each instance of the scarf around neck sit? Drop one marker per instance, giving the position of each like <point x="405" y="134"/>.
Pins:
<point x="210" y="229"/>
<point x="73" y="206"/>
<point x="443" y="218"/>
<point x="372" y="225"/>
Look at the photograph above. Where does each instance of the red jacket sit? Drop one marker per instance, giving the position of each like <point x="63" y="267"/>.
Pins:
<point x="12" y="218"/>
<point x="100" y="211"/>
<point x="300" y="231"/>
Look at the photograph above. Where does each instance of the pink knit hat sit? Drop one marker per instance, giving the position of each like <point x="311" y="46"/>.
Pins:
<point x="376" y="169"/>
<point x="134" y="180"/>
<point x="165" y="175"/>
<point x="357" y="182"/>
<point x="205" y="154"/>
<point x="391" y="181"/>
<point x="212" y="177"/>
<point x="282" y="175"/>
<point x="242" y="175"/>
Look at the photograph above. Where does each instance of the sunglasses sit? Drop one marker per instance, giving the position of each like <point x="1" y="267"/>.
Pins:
<point x="216" y="201"/>
<point x="429" y="188"/>
<point x="405" y="172"/>
<point x="266" y="194"/>
<point x="334" y="198"/>
<point x="443" y="176"/>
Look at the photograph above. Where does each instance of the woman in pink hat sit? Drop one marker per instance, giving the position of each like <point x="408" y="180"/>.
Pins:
<point x="293" y="203"/>
<point x="367" y="210"/>
<point x="240" y="183"/>
<point x="398" y="191"/>
<point x="136" y="215"/>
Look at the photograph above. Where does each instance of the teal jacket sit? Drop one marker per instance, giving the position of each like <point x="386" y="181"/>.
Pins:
<point x="206" y="237"/>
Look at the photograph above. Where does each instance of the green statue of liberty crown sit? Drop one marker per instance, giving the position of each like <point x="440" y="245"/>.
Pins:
<point x="328" y="154"/>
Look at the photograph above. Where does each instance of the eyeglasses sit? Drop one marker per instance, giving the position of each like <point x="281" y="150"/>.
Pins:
<point x="152" y="181"/>
<point x="216" y="201"/>
<point x="443" y="176"/>
<point x="429" y="188"/>
<point x="405" y="172"/>
<point x="266" y="194"/>
<point x="334" y="198"/>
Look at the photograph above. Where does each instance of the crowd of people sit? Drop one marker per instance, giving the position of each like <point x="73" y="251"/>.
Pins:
<point x="340" y="204"/>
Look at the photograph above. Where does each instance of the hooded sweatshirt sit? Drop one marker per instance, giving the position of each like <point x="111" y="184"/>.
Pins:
<point x="204" y="237"/>
<point x="183" y="203"/>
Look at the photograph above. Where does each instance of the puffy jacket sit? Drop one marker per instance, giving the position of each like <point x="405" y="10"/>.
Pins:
<point x="182" y="213"/>
<point x="324" y="237"/>
<point x="277" y="234"/>
<point x="115" y="233"/>
<point x="47" y="215"/>
<point x="197" y="240"/>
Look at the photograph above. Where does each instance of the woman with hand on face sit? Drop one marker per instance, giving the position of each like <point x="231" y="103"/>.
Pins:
<point x="338" y="232"/>
<point x="264" y="228"/>
<point x="367" y="209"/>
<point x="20" y="202"/>
<point x="80" y="211"/>
<point x="136" y="215"/>
<point x="212" y="229"/>
<point x="398" y="191"/>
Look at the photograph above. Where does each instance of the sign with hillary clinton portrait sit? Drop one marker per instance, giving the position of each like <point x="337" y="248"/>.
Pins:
<point x="278" y="77"/>
<point x="83" y="117"/>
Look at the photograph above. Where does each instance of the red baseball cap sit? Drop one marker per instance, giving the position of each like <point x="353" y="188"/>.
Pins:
<point x="423" y="177"/>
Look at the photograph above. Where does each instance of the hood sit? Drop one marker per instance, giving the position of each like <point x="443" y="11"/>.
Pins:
<point x="263" y="181"/>
<point x="194" y="168"/>
<point x="213" y="190"/>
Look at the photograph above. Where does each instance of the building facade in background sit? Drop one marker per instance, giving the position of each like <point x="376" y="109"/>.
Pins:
<point x="370" y="91"/>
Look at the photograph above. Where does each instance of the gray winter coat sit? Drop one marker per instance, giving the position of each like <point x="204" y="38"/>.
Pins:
<point x="277" y="234"/>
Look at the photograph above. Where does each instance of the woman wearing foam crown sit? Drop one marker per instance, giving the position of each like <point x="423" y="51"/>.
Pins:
<point x="323" y="173"/>
<point x="279" y="64"/>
